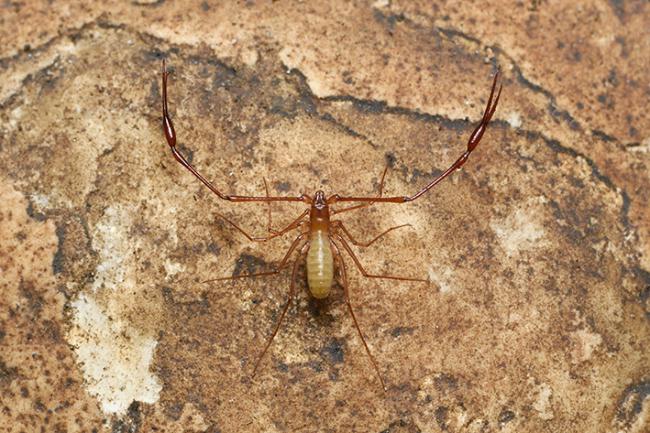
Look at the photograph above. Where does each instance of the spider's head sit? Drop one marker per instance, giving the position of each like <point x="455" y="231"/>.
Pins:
<point x="320" y="202"/>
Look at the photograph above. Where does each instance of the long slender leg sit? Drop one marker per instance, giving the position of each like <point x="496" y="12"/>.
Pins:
<point x="281" y="266"/>
<point x="472" y="142"/>
<point x="363" y="271"/>
<point x="346" y="291"/>
<point x="270" y="229"/>
<point x="339" y="224"/>
<point x="362" y="205"/>
<point x="284" y="310"/>
<point x="170" y="135"/>
<point x="293" y="225"/>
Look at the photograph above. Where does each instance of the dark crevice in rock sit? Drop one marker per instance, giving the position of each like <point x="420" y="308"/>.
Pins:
<point x="59" y="258"/>
<point x="631" y="402"/>
<point x="553" y="107"/>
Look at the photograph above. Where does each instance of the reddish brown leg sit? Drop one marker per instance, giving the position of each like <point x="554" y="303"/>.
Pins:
<point x="346" y="291"/>
<point x="296" y="223"/>
<point x="170" y="135"/>
<point x="339" y="224"/>
<point x="269" y="222"/>
<point x="473" y="141"/>
<point x="286" y="306"/>
<point x="360" y="206"/>
<point x="281" y="266"/>
<point x="363" y="271"/>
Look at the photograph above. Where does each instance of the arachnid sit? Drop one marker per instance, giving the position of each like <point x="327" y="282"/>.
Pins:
<point x="321" y="239"/>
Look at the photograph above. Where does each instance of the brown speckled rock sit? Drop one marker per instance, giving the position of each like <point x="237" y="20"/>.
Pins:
<point x="535" y="316"/>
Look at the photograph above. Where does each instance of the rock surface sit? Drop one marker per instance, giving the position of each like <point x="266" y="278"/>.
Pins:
<point x="535" y="316"/>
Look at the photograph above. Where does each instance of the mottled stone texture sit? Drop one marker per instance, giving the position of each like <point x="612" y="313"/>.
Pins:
<point x="535" y="317"/>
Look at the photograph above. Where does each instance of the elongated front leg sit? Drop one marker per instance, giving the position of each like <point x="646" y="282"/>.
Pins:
<point x="346" y="291"/>
<point x="170" y="135"/>
<point x="292" y="287"/>
<point x="339" y="225"/>
<point x="281" y="266"/>
<point x="363" y="271"/>
<point x="472" y="142"/>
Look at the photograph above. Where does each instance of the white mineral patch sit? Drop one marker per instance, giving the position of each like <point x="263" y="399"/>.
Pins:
<point x="585" y="342"/>
<point x="15" y="116"/>
<point x="542" y="403"/>
<point x="644" y="147"/>
<point x="460" y="415"/>
<point x="606" y="40"/>
<point x="42" y="201"/>
<point x="173" y="268"/>
<point x="250" y="57"/>
<point x="521" y="230"/>
<point x="514" y="119"/>
<point x="292" y="60"/>
<point x="115" y="358"/>
<point x="111" y="241"/>
<point x="443" y="277"/>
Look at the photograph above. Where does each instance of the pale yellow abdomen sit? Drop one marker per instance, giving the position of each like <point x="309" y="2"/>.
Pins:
<point x="320" y="265"/>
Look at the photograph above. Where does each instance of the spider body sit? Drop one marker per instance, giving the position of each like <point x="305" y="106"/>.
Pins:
<point x="320" y="260"/>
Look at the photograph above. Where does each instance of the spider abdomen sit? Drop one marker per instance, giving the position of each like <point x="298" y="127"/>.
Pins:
<point x="320" y="265"/>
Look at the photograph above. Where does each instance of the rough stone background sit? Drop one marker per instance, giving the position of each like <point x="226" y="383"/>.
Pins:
<point x="538" y="252"/>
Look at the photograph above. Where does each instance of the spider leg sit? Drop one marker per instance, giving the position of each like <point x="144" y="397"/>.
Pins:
<point x="346" y="291"/>
<point x="277" y="270"/>
<point x="292" y="287"/>
<point x="296" y="223"/>
<point x="339" y="224"/>
<point x="472" y="142"/>
<point x="363" y="271"/>
<point x="362" y="205"/>
<point x="170" y="135"/>
<point x="270" y="219"/>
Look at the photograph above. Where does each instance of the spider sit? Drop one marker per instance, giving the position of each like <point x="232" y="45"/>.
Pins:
<point x="322" y="239"/>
